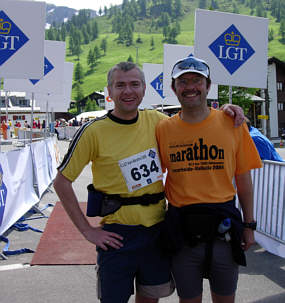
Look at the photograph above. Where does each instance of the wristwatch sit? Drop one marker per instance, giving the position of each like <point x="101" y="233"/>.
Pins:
<point x="251" y="225"/>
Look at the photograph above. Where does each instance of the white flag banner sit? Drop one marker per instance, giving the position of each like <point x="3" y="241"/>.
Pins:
<point x="17" y="191"/>
<point x="154" y="77"/>
<point x="171" y="54"/>
<point x="109" y="103"/>
<point x="22" y="34"/>
<point x="52" y="81"/>
<point x="56" y="102"/>
<point x="234" y="46"/>
<point x="53" y="156"/>
<point x="41" y="167"/>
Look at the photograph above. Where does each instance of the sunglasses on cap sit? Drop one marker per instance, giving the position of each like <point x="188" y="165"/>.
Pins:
<point x="188" y="65"/>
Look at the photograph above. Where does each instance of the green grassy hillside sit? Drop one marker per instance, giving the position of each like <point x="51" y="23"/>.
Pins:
<point x="95" y="80"/>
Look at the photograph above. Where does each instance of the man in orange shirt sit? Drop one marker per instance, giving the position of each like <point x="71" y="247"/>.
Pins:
<point x="202" y="152"/>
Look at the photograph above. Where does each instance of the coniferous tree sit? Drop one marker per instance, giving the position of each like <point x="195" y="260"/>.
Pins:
<point x="86" y="37"/>
<point x="78" y="73"/>
<point x="57" y="36"/>
<point x="103" y="45"/>
<point x="63" y="32"/>
<point x="91" y="59"/>
<point x="78" y="94"/>
<point x="50" y="34"/>
<point x="97" y="53"/>
<point x="77" y="50"/>
<point x="152" y="46"/>
<point x="89" y="30"/>
<point x="270" y="34"/>
<point x="130" y="59"/>
<point x="71" y="45"/>
<point x="128" y="35"/>
<point x="202" y="3"/>
<point x="139" y="40"/>
<point x="91" y="105"/>
<point x="214" y="4"/>
<point x="168" y="6"/>
<point x="235" y="8"/>
<point x="95" y="31"/>
<point x="142" y="8"/>
<point x="282" y="30"/>
<point x="178" y="8"/>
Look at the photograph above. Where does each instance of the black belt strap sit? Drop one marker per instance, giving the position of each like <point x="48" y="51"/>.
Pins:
<point x="146" y="199"/>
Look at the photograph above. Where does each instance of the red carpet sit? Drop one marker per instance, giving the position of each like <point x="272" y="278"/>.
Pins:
<point x="61" y="242"/>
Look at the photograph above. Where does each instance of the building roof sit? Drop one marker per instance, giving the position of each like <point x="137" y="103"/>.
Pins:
<point x="276" y="61"/>
<point x="10" y="94"/>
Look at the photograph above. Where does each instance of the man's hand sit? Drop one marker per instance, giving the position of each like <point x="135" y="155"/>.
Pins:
<point x="103" y="238"/>
<point x="248" y="239"/>
<point x="234" y="111"/>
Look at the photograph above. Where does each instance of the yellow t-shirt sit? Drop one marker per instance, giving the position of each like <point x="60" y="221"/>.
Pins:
<point x="105" y="142"/>
<point x="202" y="158"/>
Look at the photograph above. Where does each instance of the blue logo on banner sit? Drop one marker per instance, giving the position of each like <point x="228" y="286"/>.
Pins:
<point x="3" y="195"/>
<point x="47" y="68"/>
<point x="232" y="49"/>
<point x="11" y="38"/>
<point x="157" y="84"/>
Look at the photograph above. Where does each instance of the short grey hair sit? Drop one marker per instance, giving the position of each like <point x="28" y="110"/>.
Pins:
<point x="125" y="67"/>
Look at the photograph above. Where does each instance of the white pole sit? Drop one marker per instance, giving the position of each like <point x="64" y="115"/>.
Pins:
<point x="6" y="106"/>
<point x="46" y="118"/>
<point x="32" y="116"/>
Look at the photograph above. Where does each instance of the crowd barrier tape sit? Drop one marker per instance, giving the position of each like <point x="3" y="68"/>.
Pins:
<point x="25" y="174"/>
<point x="269" y="206"/>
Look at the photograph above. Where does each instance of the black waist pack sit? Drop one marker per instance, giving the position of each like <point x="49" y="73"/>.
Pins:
<point x="199" y="227"/>
<point x="100" y="204"/>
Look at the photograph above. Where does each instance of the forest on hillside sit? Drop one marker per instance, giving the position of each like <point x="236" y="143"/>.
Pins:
<point x="134" y="18"/>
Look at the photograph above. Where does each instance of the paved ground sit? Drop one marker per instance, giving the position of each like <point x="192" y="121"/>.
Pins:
<point x="262" y="281"/>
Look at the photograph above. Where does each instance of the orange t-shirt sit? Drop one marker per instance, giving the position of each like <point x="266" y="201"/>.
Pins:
<point x="202" y="158"/>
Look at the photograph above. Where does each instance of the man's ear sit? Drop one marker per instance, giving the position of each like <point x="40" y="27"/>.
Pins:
<point x="173" y="86"/>
<point x="109" y="91"/>
<point x="144" y="89"/>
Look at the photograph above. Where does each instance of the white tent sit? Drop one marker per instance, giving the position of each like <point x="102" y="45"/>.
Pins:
<point x="90" y="115"/>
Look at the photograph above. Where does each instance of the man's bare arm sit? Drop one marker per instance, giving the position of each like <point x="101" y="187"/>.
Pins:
<point x="245" y="195"/>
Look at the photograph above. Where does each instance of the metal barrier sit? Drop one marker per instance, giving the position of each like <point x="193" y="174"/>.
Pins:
<point x="66" y="132"/>
<point x="269" y="199"/>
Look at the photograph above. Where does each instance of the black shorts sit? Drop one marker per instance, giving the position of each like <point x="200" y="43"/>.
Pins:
<point x="139" y="260"/>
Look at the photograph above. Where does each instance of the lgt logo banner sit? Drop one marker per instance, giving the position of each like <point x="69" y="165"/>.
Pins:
<point x="234" y="46"/>
<point x="11" y="38"/>
<point x="157" y="84"/>
<point x="47" y="68"/>
<point x="231" y="49"/>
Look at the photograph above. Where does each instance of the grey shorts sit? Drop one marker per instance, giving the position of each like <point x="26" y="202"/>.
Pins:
<point x="187" y="269"/>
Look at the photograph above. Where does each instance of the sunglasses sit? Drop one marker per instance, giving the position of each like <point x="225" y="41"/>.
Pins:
<point x="192" y="64"/>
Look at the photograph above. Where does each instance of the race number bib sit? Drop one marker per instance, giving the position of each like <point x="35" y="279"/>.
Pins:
<point x="141" y="170"/>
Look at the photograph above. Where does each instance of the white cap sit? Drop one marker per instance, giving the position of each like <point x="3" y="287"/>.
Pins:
<point x="190" y="65"/>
